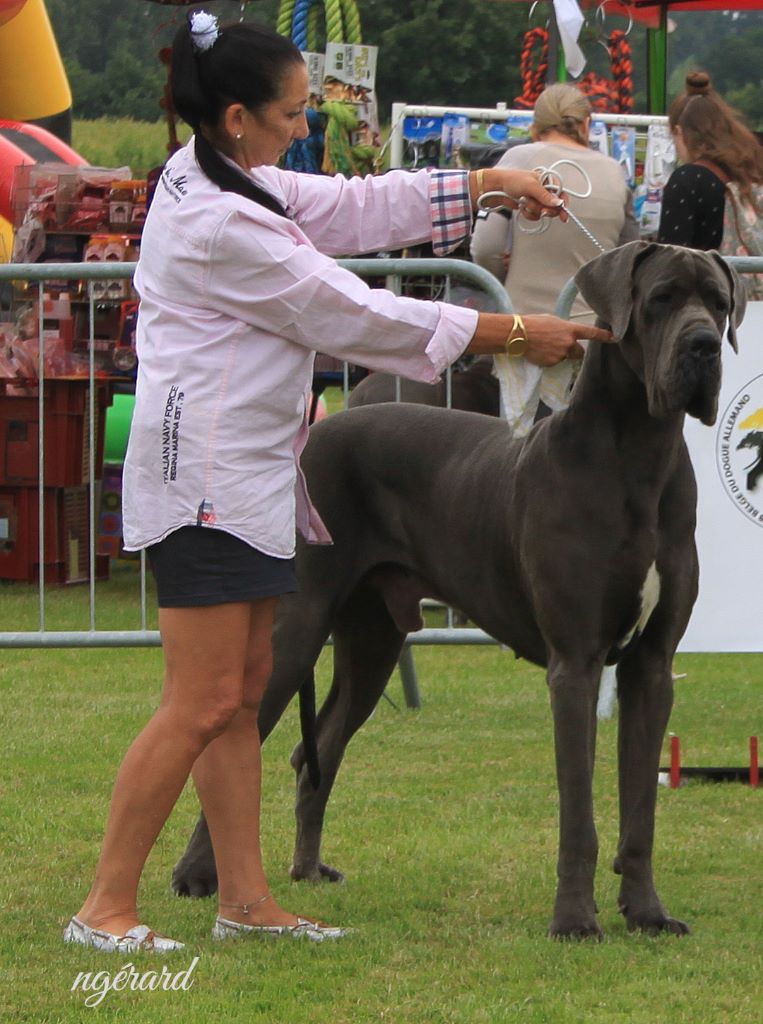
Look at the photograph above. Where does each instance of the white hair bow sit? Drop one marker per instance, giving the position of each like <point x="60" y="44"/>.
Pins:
<point x="204" y="30"/>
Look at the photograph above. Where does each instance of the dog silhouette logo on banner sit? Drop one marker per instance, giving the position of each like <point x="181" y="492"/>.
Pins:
<point x="739" y="450"/>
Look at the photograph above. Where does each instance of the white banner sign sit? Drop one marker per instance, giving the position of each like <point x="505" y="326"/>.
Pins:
<point x="728" y="462"/>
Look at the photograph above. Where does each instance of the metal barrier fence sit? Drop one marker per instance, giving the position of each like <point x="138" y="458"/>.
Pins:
<point x="393" y="269"/>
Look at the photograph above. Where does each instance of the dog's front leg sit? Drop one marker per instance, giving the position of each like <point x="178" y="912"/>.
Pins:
<point x="573" y="690"/>
<point x="645" y="688"/>
<point x="195" y="874"/>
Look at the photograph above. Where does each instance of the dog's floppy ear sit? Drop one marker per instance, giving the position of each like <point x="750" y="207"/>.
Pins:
<point x="737" y="296"/>
<point x="606" y="284"/>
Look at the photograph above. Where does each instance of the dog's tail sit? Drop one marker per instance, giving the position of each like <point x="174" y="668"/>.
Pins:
<point x="307" y="723"/>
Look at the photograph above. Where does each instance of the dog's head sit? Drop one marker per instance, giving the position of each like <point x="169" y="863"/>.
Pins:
<point x="752" y="440"/>
<point x="668" y="307"/>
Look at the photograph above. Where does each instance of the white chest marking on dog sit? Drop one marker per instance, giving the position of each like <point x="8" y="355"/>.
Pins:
<point x="607" y="693"/>
<point x="650" y="595"/>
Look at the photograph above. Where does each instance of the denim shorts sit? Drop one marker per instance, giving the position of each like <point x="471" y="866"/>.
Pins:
<point x="199" y="565"/>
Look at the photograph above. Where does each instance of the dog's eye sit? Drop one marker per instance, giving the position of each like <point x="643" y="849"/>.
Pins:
<point x="722" y="305"/>
<point x="662" y="297"/>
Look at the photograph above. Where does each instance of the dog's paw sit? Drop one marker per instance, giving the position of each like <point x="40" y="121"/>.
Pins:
<point x="668" y="925"/>
<point x="329" y="874"/>
<point x="652" y="920"/>
<point x="317" y="873"/>
<point x="197" y="881"/>
<point x="575" y="923"/>
<point x="575" y="930"/>
<point x="655" y="924"/>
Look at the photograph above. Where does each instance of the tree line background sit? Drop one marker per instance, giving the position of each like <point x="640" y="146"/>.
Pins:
<point x="459" y="52"/>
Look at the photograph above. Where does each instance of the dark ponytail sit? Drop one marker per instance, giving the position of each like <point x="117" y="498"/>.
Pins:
<point x="245" y="64"/>
<point x="231" y="180"/>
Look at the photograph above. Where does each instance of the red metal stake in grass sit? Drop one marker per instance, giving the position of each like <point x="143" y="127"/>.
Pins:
<point x="754" y="768"/>
<point x="675" y="762"/>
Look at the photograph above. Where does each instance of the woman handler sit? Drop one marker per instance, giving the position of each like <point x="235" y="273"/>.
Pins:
<point x="238" y="288"/>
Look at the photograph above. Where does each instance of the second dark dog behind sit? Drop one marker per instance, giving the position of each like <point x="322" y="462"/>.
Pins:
<point x="574" y="546"/>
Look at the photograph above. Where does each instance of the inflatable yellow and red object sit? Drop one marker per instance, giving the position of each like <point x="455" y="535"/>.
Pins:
<point x="33" y="88"/>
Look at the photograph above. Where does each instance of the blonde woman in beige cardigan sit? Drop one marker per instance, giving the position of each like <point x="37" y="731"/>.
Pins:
<point x="535" y="266"/>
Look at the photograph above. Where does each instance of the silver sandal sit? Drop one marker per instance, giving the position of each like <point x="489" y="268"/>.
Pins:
<point x="304" y="928"/>
<point x="138" y="939"/>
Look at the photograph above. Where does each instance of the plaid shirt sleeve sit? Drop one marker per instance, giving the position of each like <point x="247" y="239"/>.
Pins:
<point x="451" y="209"/>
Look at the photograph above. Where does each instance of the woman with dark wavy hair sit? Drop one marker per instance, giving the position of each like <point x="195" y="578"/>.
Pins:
<point x="714" y="149"/>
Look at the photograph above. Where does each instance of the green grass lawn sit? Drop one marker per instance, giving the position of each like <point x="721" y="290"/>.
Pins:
<point x="116" y="142"/>
<point x="139" y="145"/>
<point x="444" y="821"/>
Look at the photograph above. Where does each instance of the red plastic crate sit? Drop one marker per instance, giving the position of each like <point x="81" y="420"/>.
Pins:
<point x="66" y="516"/>
<point x="67" y="437"/>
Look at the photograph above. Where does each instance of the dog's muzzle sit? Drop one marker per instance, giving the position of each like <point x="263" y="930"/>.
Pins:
<point x="698" y="374"/>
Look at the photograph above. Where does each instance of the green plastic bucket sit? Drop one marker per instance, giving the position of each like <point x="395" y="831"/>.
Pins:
<point x="118" y="420"/>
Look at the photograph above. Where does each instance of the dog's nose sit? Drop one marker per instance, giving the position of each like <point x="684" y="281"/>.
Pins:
<point x="704" y="344"/>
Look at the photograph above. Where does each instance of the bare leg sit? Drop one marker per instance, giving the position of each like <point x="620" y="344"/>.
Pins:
<point x="295" y="651"/>
<point x="207" y="652"/>
<point x="227" y="777"/>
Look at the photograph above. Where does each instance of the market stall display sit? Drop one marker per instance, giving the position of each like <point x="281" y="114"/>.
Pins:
<point x="63" y="214"/>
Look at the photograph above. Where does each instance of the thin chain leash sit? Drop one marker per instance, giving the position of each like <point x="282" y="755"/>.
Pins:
<point x="585" y="230"/>
<point x="551" y="180"/>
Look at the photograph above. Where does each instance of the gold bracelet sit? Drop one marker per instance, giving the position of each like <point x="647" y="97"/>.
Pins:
<point x="480" y="181"/>
<point x="516" y="343"/>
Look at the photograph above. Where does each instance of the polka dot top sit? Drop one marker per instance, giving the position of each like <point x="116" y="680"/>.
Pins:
<point x="692" y="208"/>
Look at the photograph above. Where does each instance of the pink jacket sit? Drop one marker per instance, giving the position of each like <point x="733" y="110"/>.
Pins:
<point x="234" y="302"/>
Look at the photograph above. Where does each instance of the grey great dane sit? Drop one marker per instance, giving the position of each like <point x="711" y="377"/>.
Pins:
<point x="574" y="546"/>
